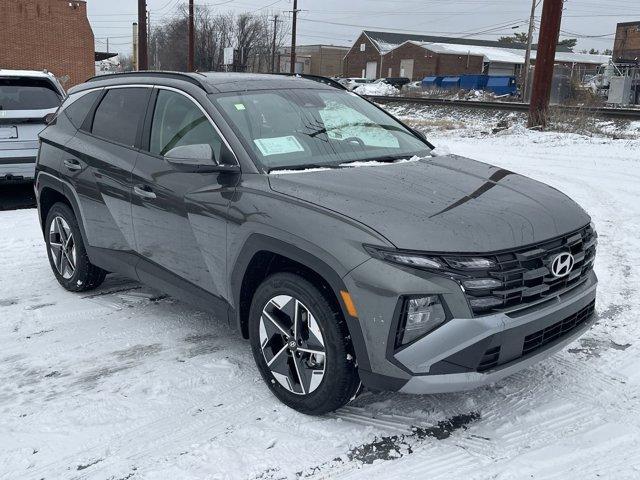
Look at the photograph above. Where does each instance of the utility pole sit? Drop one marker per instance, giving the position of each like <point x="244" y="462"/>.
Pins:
<point x="151" y="54"/>
<point x="293" y="36"/>
<point x="134" y="52"/>
<point x="527" y="57"/>
<point x="273" y="45"/>
<point x="143" y="50"/>
<point x="107" y="44"/>
<point x="191" y="54"/>
<point x="545" y="61"/>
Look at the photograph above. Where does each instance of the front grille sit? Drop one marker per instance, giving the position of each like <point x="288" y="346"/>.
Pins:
<point x="541" y="338"/>
<point x="525" y="274"/>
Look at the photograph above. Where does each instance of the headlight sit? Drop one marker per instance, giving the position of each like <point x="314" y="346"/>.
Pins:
<point x="420" y="316"/>
<point x="431" y="262"/>
<point x="470" y="263"/>
<point x="404" y="258"/>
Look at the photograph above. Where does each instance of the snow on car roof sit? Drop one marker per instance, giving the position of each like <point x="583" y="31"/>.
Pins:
<point x="26" y="73"/>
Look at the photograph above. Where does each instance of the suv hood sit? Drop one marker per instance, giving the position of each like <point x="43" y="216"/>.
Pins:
<point x="442" y="204"/>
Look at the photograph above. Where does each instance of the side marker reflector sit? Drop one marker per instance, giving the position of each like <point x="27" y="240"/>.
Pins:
<point x="348" y="302"/>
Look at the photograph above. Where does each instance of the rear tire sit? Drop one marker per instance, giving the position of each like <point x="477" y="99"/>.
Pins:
<point x="66" y="251"/>
<point x="309" y="364"/>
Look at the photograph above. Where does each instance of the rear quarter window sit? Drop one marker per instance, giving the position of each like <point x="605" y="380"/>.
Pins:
<point x="79" y="107"/>
<point x="120" y="114"/>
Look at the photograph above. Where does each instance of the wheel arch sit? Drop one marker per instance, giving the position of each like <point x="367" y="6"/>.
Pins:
<point x="51" y="190"/>
<point x="262" y="256"/>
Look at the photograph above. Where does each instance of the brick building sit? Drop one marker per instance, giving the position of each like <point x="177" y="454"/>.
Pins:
<point x="388" y="54"/>
<point x="323" y="60"/>
<point x="53" y="35"/>
<point x="627" y="43"/>
<point x="380" y="54"/>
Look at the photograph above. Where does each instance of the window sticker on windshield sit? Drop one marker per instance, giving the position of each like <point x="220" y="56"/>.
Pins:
<point x="240" y="106"/>
<point x="278" y="145"/>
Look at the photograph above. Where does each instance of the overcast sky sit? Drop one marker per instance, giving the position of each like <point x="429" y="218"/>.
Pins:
<point x="339" y="22"/>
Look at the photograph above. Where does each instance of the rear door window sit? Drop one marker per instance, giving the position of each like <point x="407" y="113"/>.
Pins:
<point x="22" y="93"/>
<point x="120" y="114"/>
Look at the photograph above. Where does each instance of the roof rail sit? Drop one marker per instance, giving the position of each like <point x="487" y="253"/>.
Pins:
<point x="188" y="77"/>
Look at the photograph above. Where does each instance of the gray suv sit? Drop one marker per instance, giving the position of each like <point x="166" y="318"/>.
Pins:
<point x="27" y="98"/>
<point x="317" y="224"/>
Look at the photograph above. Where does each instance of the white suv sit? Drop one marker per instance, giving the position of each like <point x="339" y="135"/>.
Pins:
<point x="26" y="98"/>
<point x="353" y="83"/>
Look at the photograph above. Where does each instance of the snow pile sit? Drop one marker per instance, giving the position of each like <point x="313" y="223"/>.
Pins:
<point x="380" y="89"/>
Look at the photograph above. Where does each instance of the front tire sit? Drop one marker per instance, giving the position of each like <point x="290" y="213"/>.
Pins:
<point x="67" y="254"/>
<point x="301" y="345"/>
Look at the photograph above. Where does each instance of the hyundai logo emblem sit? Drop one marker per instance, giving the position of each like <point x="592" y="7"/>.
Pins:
<point x="562" y="265"/>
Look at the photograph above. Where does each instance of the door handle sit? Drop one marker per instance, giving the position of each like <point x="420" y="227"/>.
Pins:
<point x="73" y="165"/>
<point x="144" y="191"/>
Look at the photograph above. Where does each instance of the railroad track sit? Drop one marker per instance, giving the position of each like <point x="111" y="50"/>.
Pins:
<point x="627" y="113"/>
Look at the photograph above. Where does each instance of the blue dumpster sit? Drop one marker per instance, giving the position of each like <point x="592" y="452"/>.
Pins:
<point x="473" y="82"/>
<point x="451" y="82"/>
<point x="429" y="82"/>
<point x="502" y="85"/>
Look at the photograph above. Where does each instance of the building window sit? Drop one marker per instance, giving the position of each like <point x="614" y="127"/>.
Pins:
<point x="363" y="47"/>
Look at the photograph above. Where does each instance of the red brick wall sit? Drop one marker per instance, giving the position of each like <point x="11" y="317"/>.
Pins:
<point x="355" y="61"/>
<point x="427" y="63"/>
<point x="47" y="34"/>
<point x="627" y="43"/>
<point x="459" y="64"/>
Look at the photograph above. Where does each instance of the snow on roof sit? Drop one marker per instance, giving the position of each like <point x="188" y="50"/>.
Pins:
<point x="506" y="55"/>
<point x="574" y="57"/>
<point x="26" y="73"/>
<point x="386" y="41"/>
<point x="490" y="54"/>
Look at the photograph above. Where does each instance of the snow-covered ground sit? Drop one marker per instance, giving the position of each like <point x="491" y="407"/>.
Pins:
<point x="126" y="383"/>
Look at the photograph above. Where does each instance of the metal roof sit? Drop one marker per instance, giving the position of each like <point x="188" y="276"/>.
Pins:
<point x="508" y="55"/>
<point x="386" y="41"/>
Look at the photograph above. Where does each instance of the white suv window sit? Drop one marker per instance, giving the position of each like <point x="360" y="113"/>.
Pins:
<point x="24" y="93"/>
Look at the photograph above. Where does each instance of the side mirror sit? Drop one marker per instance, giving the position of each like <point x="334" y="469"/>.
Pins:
<point x="199" y="158"/>
<point x="198" y="154"/>
<point x="50" y="117"/>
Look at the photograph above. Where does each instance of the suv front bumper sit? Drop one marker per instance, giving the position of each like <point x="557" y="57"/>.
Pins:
<point x="466" y="352"/>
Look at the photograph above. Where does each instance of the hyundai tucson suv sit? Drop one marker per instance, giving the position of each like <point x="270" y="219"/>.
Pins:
<point x="26" y="99"/>
<point x="317" y="224"/>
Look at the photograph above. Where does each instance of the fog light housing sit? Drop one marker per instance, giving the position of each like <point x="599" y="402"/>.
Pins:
<point x="420" y="316"/>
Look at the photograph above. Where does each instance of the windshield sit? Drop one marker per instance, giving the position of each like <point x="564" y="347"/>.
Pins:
<point x="27" y="94"/>
<point x="316" y="128"/>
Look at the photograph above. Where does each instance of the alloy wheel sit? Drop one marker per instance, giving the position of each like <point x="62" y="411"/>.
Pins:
<point x="63" y="247"/>
<point x="292" y="344"/>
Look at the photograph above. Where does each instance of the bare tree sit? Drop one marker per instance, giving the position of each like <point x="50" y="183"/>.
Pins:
<point x="251" y="35"/>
